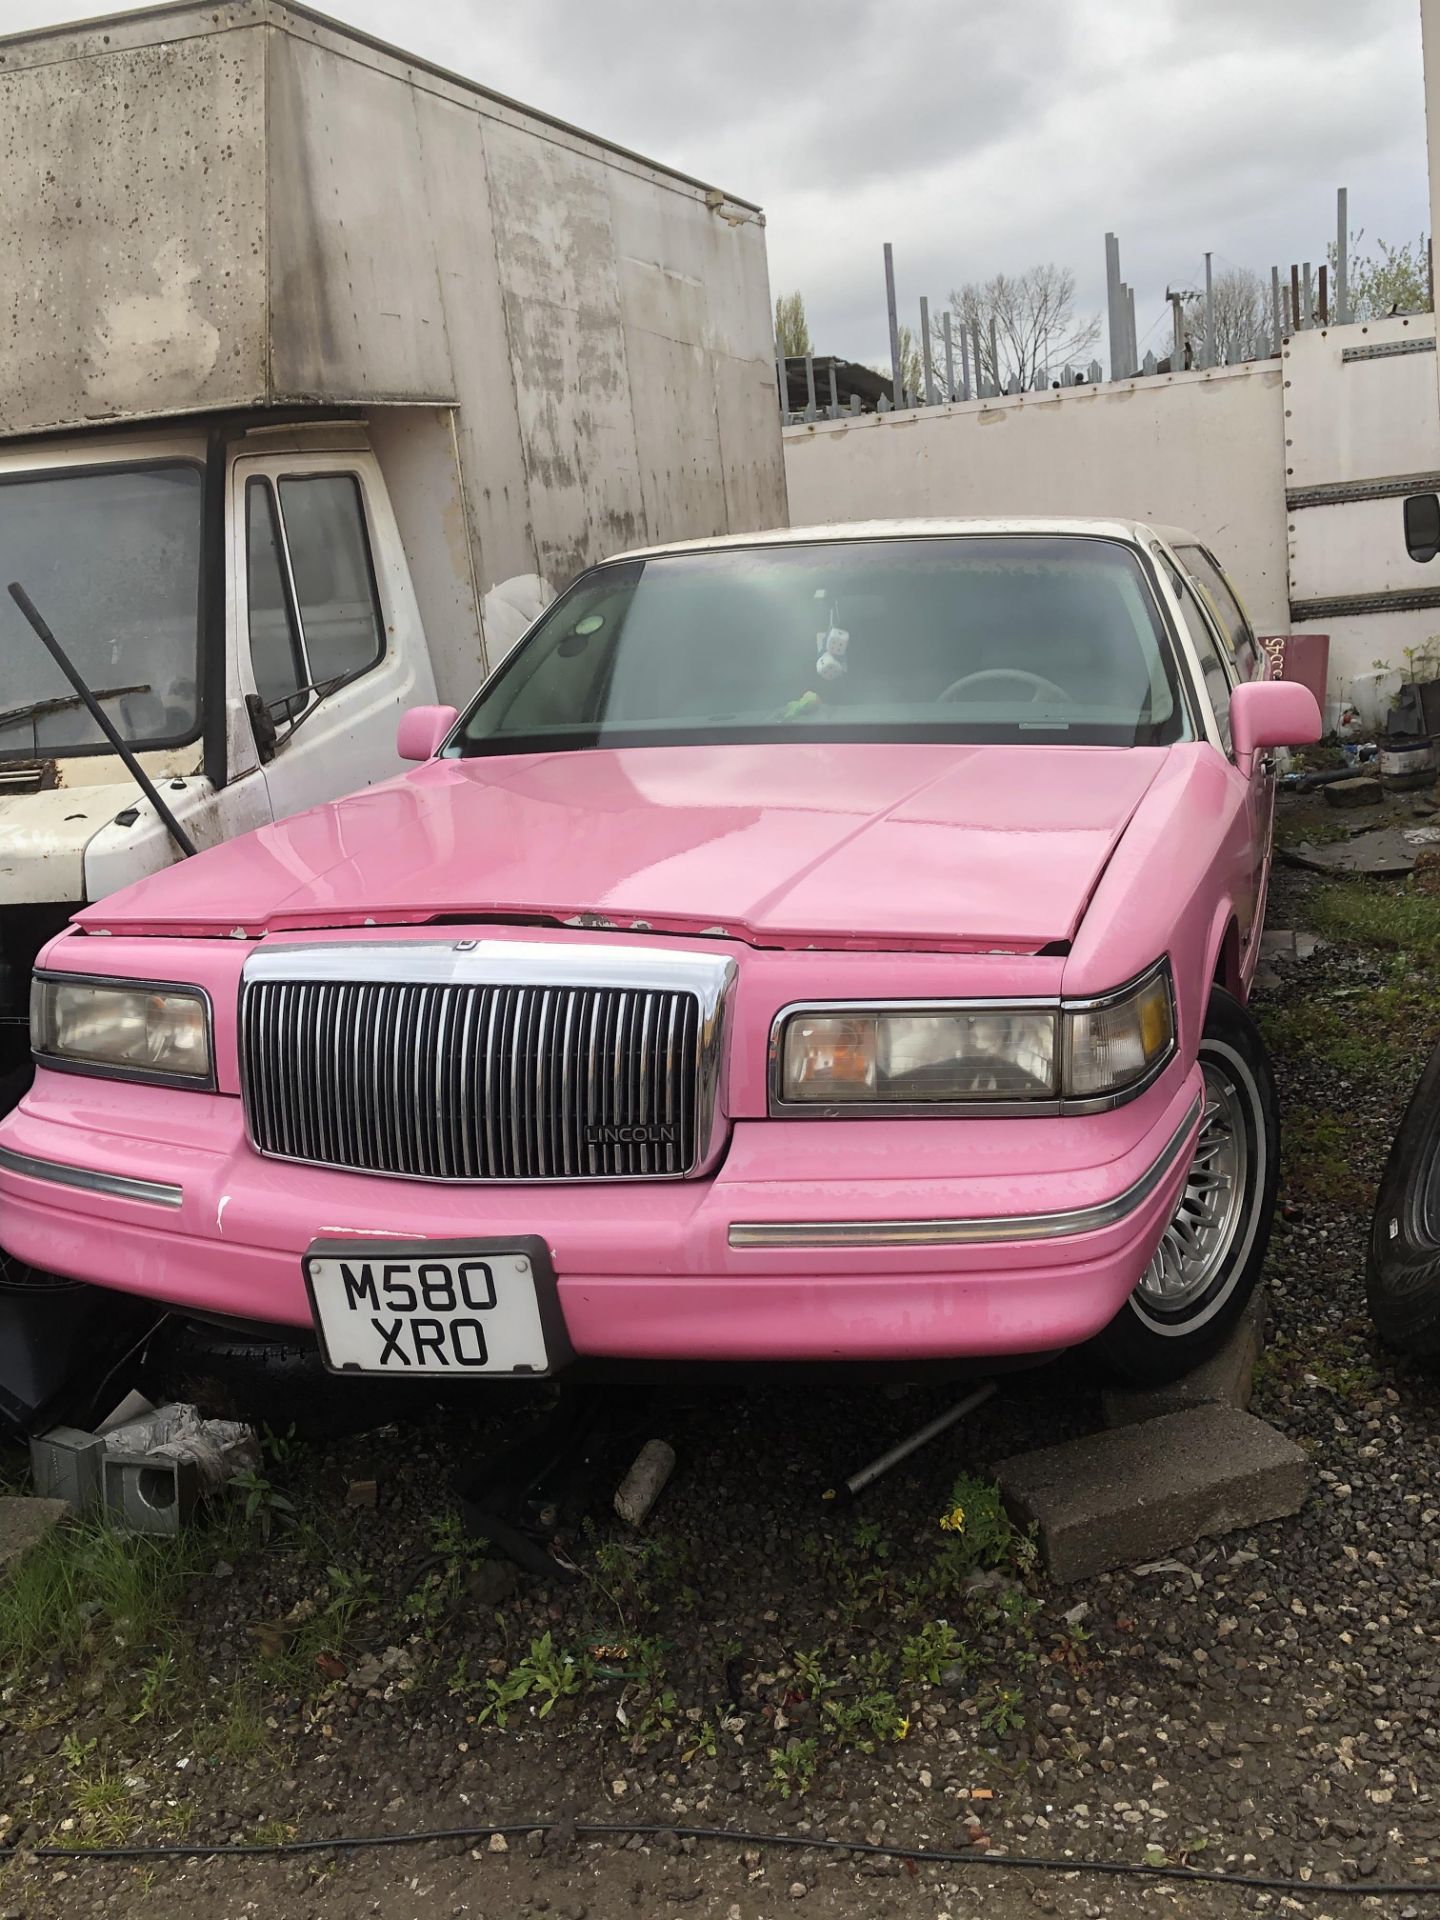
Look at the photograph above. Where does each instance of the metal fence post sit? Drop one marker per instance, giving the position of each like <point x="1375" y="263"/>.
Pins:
<point x="1130" y="339"/>
<point x="1323" y="294"/>
<point x="1275" y="316"/>
<point x="995" y="356"/>
<point x="896" y="388"/>
<point x="1307" y="295"/>
<point x="1295" y="321"/>
<point x="979" y="360"/>
<point x="809" y="386"/>
<point x="1112" y="302"/>
<point x="1342" y="257"/>
<point x="926" y="358"/>
<point x="966" y="390"/>
<point x="1209" y="359"/>
<point x="949" y="355"/>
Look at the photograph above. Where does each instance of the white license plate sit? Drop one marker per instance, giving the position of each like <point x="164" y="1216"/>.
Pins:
<point x="407" y="1310"/>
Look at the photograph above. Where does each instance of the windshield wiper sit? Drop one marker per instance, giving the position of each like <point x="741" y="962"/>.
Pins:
<point x="40" y="709"/>
<point x="102" y="720"/>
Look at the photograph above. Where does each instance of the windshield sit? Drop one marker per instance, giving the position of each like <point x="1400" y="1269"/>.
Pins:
<point x="1009" y="637"/>
<point x="111" y="558"/>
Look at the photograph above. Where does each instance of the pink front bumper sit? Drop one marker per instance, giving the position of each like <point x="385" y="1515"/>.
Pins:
<point x="646" y="1271"/>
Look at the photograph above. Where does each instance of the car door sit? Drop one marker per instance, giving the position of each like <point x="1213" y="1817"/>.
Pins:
<point x="331" y="642"/>
<point x="1248" y="661"/>
<point x="1218" y="668"/>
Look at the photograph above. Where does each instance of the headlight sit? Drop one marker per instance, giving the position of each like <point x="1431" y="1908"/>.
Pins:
<point x="958" y="1056"/>
<point x="920" y="1054"/>
<point x="1110" y="1046"/>
<point x="138" y="1031"/>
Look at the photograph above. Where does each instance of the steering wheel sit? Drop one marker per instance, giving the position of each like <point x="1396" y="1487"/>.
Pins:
<point x="1040" y="687"/>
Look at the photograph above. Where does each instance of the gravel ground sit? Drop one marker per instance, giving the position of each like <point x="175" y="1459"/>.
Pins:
<point x="1264" y="1703"/>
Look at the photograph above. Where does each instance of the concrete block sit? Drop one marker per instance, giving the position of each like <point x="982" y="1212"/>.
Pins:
<point x="1361" y="791"/>
<point x="1136" y="1492"/>
<point x="24" y="1523"/>
<point x="1226" y="1379"/>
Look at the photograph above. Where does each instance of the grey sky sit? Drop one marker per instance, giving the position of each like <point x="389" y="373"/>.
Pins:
<point x="977" y="136"/>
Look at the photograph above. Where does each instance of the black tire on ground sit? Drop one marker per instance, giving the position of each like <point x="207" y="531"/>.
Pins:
<point x="1186" y="1306"/>
<point x="1402" y="1276"/>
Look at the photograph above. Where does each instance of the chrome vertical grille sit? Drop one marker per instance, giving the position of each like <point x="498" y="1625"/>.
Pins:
<point x="456" y="1078"/>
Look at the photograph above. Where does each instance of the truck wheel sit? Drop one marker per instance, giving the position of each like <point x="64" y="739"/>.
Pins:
<point x="1402" y="1278"/>
<point x="1204" y="1271"/>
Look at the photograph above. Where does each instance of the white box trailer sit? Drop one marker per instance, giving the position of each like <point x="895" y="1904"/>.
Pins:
<point x="321" y="371"/>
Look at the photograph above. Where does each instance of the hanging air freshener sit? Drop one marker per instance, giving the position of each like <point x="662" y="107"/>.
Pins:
<point x="833" y="647"/>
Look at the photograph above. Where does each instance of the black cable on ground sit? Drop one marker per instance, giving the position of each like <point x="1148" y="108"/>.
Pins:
<point x="735" y="1836"/>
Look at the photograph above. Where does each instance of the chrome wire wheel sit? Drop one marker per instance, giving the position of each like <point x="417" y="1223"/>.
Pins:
<point x="1212" y="1207"/>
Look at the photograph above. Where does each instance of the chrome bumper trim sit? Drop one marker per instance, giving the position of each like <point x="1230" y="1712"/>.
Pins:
<point x="119" y="1186"/>
<point x="969" y="1233"/>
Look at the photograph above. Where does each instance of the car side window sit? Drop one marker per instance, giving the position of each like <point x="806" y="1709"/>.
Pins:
<point x="1225" y="605"/>
<point x="1207" y="650"/>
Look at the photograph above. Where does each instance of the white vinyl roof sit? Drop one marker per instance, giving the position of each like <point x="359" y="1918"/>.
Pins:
<point x="1136" y="531"/>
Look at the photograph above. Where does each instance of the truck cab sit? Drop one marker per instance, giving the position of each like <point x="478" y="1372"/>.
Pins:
<point x="238" y="599"/>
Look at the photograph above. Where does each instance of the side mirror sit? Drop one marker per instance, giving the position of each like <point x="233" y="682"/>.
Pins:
<point x="1422" y="526"/>
<point x="421" y="731"/>
<point x="1273" y="713"/>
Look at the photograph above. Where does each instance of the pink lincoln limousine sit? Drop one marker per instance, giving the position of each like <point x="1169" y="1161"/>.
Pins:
<point x="820" y="946"/>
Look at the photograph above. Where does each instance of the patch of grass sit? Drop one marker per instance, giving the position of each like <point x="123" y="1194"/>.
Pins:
<point x="91" y="1589"/>
<point x="1320" y="1154"/>
<point x="1377" y="915"/>
<point x="234" y="1729"/>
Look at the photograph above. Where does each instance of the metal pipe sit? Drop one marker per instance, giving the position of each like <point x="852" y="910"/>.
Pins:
<point x="1209" y="314"/>
<point x="1307" y="295"/>
<point x="949" y="355"/>
<point x="101" y="718"/>
<point x="902" y="1450"/>
<point x="897" y="391"/>
<point x="1342" y="257"/>
<point x="1324" y="294"/>
<point x="965" y="388"/>
<point x="1112" y="302"/>
<point x="926" y="359"/>
<point x="809" y="386"/>
<point x="1295" y="321"/>
<point x="1275" y="315"/>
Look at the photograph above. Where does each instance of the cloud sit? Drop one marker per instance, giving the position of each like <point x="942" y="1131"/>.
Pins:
<point x="977" y="137"/>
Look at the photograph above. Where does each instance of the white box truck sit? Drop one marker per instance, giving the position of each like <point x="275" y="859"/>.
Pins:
<point x="321" y="371"/>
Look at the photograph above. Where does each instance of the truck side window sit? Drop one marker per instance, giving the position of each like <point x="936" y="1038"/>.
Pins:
<point x="1217" y="680"/>
<point x="324" y="518"/>
<point x="275" y="653"/>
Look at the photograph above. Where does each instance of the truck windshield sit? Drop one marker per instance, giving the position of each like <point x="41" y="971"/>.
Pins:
<point x="967" y="637"/>
<point x="111" y="557"/>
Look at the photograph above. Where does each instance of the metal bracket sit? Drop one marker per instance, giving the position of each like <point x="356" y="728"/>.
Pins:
<point x="1389" y="350"/>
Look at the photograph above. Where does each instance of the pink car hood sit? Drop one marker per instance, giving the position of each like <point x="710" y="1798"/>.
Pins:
<point x="818" y="844"/>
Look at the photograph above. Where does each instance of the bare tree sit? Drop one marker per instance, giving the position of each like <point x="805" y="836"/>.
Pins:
<point x="1034" y="320"/>
<point x="792" y="329"/>
<point x="1242" y="319"/>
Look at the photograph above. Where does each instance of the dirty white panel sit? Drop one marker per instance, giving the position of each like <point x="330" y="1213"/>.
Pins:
<point x="1367" y="417"/>
<point x="677" y="434"/>
<point x="354" y="252"/>
<point x="418" y="455"/>
<point x="132" y="275"/>
<point x="1355" y="548"/>
<point x="487" y="421"/>
<point x="750" y="444"/>
<point x="1197" y="450"/>
<point x="558" y="270"/>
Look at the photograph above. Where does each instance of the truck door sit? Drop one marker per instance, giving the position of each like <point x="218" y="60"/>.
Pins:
<point x="332" y="649"/>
